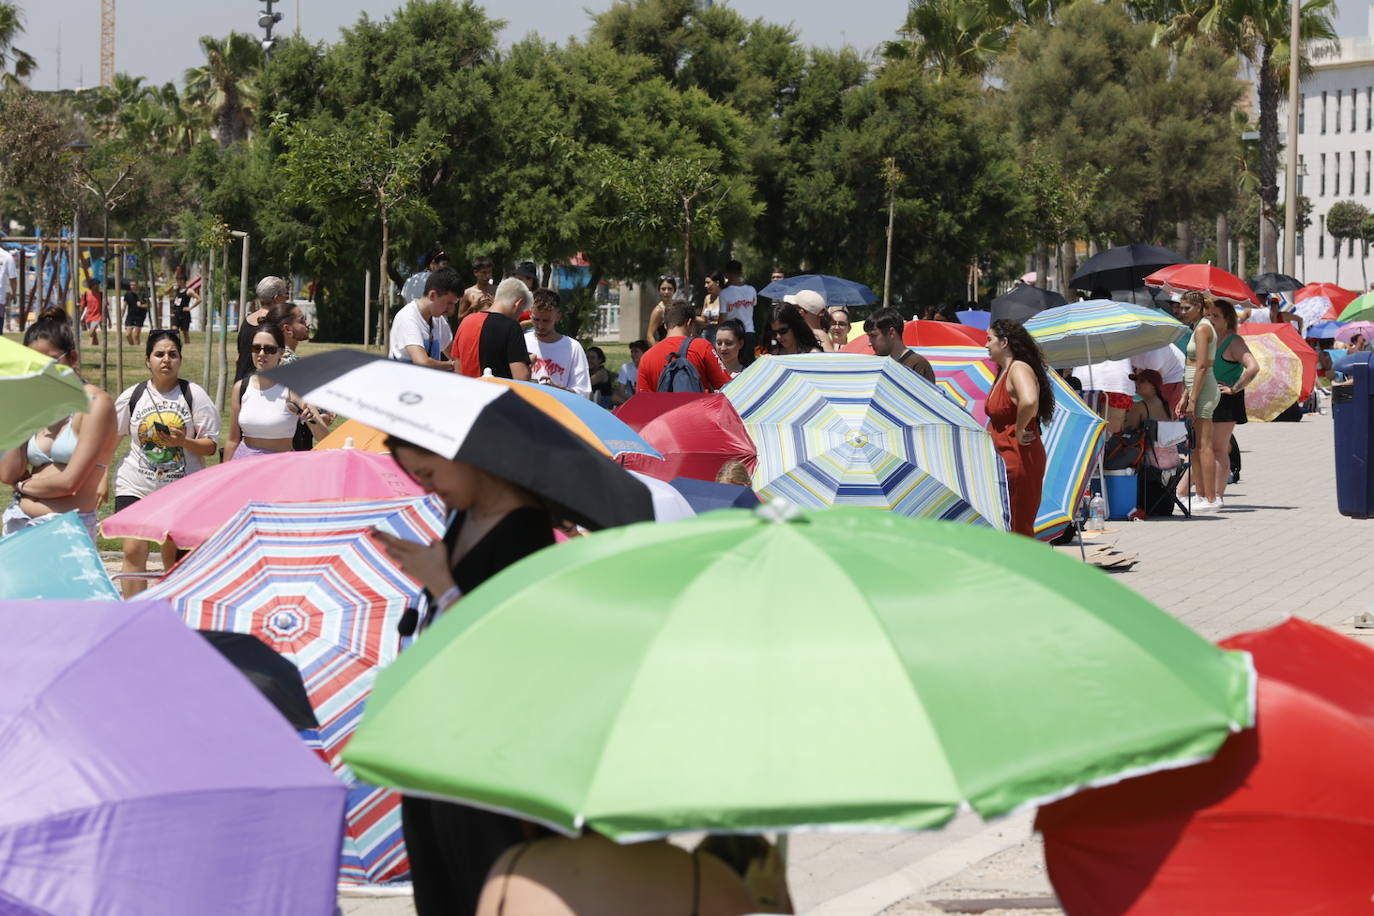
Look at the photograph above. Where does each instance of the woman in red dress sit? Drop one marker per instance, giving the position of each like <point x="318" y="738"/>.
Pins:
<point x="1020" y="401"/>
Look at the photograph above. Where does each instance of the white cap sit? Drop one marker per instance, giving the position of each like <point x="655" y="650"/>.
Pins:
<point x="808" y="300"/>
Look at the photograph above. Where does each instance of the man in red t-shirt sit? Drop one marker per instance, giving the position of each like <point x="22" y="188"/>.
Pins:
<point x="680" y="321"/>
<point x="93" y="309"/>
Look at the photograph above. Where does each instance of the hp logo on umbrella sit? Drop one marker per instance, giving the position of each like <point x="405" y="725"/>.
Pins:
<point x="411" y="397"/>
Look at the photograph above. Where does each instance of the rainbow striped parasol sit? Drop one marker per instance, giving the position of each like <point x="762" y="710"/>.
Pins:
<point x="306" y="579"/>
<point x="846" y="429"/>
<point x="1072" y="438"/>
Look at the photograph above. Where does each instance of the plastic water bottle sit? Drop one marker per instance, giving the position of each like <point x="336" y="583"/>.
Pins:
<point x="1097" y="513"/>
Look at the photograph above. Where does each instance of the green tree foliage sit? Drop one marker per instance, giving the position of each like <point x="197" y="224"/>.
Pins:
<point x="1156" y="125"/>
<point x="224" y="85"/>
<point x="345" y="170"/>
<point x="1258" y="31"/>
<point x="17" y="65"/>
<point x="1343" y="223"/>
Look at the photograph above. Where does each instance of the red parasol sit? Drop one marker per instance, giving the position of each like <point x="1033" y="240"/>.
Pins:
<point x="927" y="334"/>
<point x="696" y="433"/>
<point x="1221" y="284"/>
<point x="1281" y="821"/>
<point x="1338" y="296"/>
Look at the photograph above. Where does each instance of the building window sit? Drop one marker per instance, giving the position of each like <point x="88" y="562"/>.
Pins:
<point x="1366" y="172"/>
<point x="1302" y="237"/>
<point x="1354" y="104"/>
<point x="1302" y="173"/>
<point x="1369" y="108"/>
<point x="1352" y="172"/>
<point x="1339" y="94"/>
<point x="1321" y="183"/>
<point x="1302" y="114"/>
<point x="1323" y="121"/>
<point x="1321" y="236"/>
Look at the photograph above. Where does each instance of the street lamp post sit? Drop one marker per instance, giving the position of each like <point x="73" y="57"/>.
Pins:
<point x="1290" y="197"/>
<point x="266" y="20"/>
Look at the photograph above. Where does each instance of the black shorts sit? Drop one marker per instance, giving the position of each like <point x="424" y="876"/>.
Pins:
<point x="1230" y="409"/>
<point x="135" y="316"/>
<point x="181" y="320"/>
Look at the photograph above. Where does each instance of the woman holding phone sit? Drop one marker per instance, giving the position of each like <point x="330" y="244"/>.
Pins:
<point x="263" y="415"/>
<point x="174" y="427"/>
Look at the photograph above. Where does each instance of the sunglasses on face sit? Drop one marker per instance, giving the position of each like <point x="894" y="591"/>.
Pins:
<point x="269" y="349"/>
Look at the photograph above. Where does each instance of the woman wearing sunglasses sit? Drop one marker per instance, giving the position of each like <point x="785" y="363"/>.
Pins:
<point x="263" y="415"/>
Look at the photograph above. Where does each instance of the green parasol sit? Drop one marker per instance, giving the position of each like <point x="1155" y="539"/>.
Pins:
<point x="34" y="391"/>
<point x="739" y="672"/>
<point x="1360" y="309"/>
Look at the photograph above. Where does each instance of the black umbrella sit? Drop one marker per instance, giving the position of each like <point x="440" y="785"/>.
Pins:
<point x="1025" y="302"/>
<point x="1149" y="296"/>
<point x="277" y="679"/>
<point x="1268" y="283"/>
<point x="1124" y="267"/>
<point x="479" y="423"/>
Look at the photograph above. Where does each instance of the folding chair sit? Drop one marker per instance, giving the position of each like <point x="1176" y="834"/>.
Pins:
<point x="1169" y="477"/>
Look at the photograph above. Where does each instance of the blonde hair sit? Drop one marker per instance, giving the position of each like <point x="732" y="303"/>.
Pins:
<point x="735" y="472"/>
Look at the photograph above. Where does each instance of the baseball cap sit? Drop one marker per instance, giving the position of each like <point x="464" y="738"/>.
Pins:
<point x="808" y="300"/>
<point x="526" y="269"/>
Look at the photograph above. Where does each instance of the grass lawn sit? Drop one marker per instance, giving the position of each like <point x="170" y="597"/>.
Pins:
<point x="192" y="369"/>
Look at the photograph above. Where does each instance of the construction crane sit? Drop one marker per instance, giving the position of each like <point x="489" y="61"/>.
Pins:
<point x="107" y="42"/>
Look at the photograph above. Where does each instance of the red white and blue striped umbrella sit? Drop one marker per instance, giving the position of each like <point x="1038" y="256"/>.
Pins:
<point x="307" y="580"/>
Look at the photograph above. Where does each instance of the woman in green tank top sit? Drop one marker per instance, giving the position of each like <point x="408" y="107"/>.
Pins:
<point x="1234" y="368"/>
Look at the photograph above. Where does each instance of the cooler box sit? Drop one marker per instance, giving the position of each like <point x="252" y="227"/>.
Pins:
<point x="1351" y="406"/>
<point x="1122" y="494"/>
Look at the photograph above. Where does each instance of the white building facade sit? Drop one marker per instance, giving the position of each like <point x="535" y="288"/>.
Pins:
<point x="1335" y="155"/>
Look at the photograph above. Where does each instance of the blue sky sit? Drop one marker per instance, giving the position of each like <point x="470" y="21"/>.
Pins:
<point x="157" y="39"/>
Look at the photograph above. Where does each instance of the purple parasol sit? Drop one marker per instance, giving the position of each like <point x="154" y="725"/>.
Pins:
<point x="141" y="773"/>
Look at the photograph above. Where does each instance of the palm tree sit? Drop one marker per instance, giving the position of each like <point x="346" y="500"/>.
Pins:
<point x="224" y="85"/>
<point x="1257" y="30"/>
<point x="962" y="37"/>
<point x="11" y="27"/>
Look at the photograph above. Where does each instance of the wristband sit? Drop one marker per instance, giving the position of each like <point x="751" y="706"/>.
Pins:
<point x="448" y="599"/>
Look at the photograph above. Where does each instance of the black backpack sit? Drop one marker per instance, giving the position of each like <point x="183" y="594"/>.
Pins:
<point x="141" y="387"/>
<point x="679" y="373"/>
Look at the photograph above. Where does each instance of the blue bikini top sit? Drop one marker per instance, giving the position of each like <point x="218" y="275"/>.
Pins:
<point x="63" y="447"/>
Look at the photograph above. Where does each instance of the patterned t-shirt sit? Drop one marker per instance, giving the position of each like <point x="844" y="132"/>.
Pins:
<point x="149" y="465"/>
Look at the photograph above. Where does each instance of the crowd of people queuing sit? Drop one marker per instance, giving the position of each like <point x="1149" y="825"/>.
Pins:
<point x="465" y="859"/>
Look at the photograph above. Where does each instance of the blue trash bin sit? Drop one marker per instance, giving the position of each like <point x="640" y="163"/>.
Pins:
<point x="1351" y="406"/>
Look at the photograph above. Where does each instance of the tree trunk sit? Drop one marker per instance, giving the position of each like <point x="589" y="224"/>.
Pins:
<point x="1070" y="267"/>
<point x="386" y="280"/>
<point x="1042" y="266"/>
<point x="1268" y="161"/>
<point x="1364" y="269"/>
<point x="221" y="363"/>
<point x="1223" y="241"/>
<point x="1337" y="240"/>
<point x="207" y="310"/>
<point x="687" y="250"/>
<point x="1242" y="255"/>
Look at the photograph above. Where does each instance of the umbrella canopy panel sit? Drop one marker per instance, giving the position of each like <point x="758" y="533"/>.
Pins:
<point x="142" y="774"/>
<point x="352" y="434"/>
<point x="695" y="433"/>
<point x="34" y="392"/>
<point x="1072" y="438"/>
<point x="1205" y="278"/>
<point x="600" y="428"/>
<point x="1025" y="302"/>
<point x="1287" y="369"/>
<point x="487" y="426"/>
<point x="843" y="429"/>
<point x="1123" y="267"/>
<point x="836" y="290"/>
<point x="1090" y="331"/>
<point x="649" y="721"/>
<point x="28" y="563"/>
<point x="308" y="581"/>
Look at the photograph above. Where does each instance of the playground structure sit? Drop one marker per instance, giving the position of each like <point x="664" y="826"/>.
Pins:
<point x="45" y="275"/>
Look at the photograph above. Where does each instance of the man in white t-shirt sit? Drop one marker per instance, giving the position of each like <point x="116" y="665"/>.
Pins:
<point x="555" y="359"/>
<point x="737" y="301"/>
<point x="420" y="333"/>
<point x="9" y="283"/>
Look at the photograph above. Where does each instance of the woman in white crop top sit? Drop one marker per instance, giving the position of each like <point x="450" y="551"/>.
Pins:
<point x="262" y="416"/>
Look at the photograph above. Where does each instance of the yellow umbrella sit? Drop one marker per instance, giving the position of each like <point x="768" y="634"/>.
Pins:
<point x="361" y="435"/>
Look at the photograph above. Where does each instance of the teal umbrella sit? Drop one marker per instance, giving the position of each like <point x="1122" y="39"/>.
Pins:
<point x="743" y="670"/>
<point x="54" y="559"/>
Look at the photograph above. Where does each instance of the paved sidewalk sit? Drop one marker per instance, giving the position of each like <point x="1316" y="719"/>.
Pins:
<point x="1279" y="548"/>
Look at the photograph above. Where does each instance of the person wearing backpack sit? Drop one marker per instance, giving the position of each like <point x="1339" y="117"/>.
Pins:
<point x="174" y="427"/>
<point x="681" y="362"/>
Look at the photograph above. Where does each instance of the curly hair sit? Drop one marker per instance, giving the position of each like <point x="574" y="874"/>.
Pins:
<point x="1024" y="348"/>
